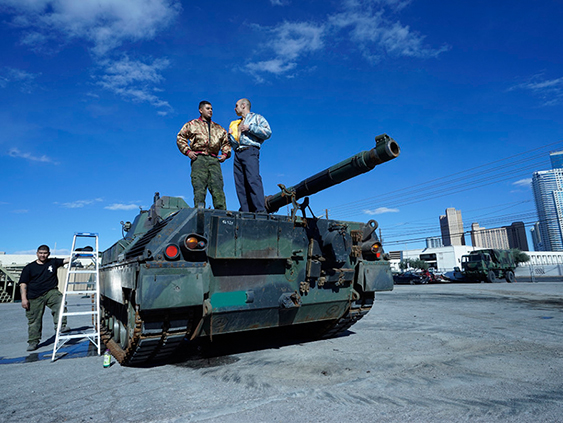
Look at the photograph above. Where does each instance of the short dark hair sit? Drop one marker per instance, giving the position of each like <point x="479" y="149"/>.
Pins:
<point x="203" y="103"/>
<point x="43" y="248"/>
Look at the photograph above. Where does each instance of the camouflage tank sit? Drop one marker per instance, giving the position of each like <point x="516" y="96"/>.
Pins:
<point x="181" y="274"/>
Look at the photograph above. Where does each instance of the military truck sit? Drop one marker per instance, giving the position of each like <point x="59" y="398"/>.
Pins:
<point x="489" y="265"/>
<point x="182" y="274"/>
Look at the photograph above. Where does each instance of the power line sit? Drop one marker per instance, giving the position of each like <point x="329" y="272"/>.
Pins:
<point x="514" y="166"/>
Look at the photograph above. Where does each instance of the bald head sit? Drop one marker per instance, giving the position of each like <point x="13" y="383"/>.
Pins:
<point x="242" y="108"/>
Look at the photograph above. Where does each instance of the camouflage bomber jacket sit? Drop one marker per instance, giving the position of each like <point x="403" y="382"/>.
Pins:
<point x="195" y="136"/>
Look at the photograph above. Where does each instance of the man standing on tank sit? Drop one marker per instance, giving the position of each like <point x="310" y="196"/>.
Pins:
<point x="247" y="135"/>
<point x="39" y="288"/>
<point x="202" y="140"/>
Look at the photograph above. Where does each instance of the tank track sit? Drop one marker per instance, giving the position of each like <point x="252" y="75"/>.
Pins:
<point x="355" y="313"/>
<point x="144" y="349"/>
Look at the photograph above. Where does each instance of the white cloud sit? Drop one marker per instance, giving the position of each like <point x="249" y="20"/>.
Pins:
<point x="381" y="210"/>
<point x="106" y="24"/>
<point x="294" y="39"/>
<point x="377" y="36"/>
<point x="135" y="80"/>
<point x="288" y="41"/>
<point x="78" y="204"/>
<point x="364" y="23"/>
<point x="23" y="79"/>
<point x="15" y="152"/>
<point x="117" y="206"/>
<point x="550" y="90"/>
<point x="523" y="182"/>
<point x="20" y="211"/>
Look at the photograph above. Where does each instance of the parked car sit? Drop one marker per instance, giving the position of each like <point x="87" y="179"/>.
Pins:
<point x="408" y="278"/>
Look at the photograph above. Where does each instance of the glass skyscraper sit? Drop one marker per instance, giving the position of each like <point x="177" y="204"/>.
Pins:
<point x="556" y="158"/>
<point x="548" y="193"/>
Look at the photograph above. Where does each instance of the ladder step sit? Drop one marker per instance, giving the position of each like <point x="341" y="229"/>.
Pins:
<point x="83" y="271"/>
<point x="94" y="292"/>
<point x="77" y="335"/>
<point x="80" y="313"/>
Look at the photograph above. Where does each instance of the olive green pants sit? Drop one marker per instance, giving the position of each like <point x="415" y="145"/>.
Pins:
<point x="206" y="174"/>
<point x="51" y="299"/>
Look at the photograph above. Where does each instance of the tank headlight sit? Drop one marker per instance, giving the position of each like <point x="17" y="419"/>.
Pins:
<point x="172" y="252"/>
<point x="376" y="249"/>
<point x="193" y="243"/>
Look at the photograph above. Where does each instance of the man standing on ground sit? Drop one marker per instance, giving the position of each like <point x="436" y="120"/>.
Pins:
<point x="39" y="288"/>
<point x="248" y="134"/>
<point x="202" y="140"/>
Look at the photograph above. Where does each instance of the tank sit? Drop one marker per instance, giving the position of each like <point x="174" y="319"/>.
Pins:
<point x="182" y="274"/>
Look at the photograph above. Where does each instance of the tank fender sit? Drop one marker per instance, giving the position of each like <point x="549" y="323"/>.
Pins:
<point x="374" y="276"/>
<point x="113" y="279"/>
<point x="166" y="288"/>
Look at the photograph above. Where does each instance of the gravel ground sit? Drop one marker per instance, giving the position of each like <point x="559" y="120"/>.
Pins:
<point x="425" y="353"/>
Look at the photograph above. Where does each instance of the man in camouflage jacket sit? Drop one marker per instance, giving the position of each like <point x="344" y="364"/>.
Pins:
<point x="207" y="145"/>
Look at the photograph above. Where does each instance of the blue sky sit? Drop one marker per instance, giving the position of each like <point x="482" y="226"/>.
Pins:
<point x="94" y="92"/>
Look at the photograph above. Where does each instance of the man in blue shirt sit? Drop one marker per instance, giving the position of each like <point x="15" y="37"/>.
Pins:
<point x="253" y="129"/>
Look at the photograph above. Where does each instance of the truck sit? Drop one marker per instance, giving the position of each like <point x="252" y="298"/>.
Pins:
<point x="489" y="265"/>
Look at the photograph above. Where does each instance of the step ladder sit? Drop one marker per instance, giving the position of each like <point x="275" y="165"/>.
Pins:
<point x="81" y="294"/>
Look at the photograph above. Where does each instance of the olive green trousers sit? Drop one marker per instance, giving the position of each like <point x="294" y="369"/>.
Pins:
<point x="206" y="174"/>
<point x="51" y="299"/>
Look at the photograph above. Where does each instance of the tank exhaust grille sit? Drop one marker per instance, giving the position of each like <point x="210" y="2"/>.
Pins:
<point x="139" y="247"/>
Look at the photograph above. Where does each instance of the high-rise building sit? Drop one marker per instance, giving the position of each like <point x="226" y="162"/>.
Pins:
<point x="451" y="227"/>
<point x="513" y="236"/>
<point x="517" y="236"/>
<point x="489" y="238"/>
<point x="536" y="239"/>
<point x="548" y="194"/>
<point x="556" y="158"/>
<point x="434" y="242"/>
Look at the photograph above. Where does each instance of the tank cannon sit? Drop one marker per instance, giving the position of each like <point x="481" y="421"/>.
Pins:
<point x="386" y="148"/>
<point x="181" y="274"/>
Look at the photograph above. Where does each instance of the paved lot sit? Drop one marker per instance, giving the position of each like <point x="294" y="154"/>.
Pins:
<point x="425" y="353"/>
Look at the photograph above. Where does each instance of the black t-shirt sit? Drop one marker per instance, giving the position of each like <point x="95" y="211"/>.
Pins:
<point x="41" y="278"/>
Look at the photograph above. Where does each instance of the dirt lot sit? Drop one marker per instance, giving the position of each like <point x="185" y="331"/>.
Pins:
<point x="425" y="353"/>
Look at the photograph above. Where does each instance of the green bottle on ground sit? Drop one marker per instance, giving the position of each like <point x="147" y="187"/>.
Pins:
<point x="107" y="359"/>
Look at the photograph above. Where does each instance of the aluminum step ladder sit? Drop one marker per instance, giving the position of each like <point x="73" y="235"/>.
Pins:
<point x="81" y="294"/>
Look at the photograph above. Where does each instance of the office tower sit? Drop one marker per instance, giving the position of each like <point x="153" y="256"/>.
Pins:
<point x="517" y="236"/>
<point x="451" y="227"/>
<point x="489" y="238"/>
<point x="548" y="194"/>
<point x="556" y="158"/>
<point x="535" y="233"/>
<point x="434" y="242"/>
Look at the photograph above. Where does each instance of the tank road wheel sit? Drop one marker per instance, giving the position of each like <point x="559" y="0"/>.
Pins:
<point x="115" y="329"/>
<point x="509" y="276"/>
<point x="491" y="277"/>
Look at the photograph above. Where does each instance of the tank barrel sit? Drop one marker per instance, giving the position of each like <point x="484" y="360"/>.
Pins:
<point x="386" y="148"/>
